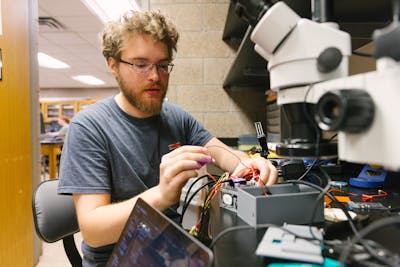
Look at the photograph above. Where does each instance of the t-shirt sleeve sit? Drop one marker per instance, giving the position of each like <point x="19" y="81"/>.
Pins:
<point x="196" y="133"/>
<point x="84" y="164"/>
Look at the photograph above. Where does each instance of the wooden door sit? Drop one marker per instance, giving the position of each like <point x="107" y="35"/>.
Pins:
<point x="16" y="224"/>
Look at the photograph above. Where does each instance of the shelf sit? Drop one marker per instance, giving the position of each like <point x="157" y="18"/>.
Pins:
<point x="360" y="18"/>
<point x="52" y="110"/>
<point x="235" y="28"/>
<point x="248" y="71"/>
<point x="357" y="17"/>
<point x="246" y="74"/>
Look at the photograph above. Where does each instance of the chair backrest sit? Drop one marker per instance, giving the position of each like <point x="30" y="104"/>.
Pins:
<point x="55" y="218"/>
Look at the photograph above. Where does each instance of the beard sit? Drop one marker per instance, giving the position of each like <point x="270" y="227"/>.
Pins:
<point x="150" y="106"/>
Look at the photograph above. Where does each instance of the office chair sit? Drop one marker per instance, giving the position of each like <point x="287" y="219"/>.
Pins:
<point x="55" y="218"/>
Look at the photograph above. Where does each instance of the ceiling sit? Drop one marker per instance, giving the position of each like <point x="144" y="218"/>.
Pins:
<point x="76" y="43"/>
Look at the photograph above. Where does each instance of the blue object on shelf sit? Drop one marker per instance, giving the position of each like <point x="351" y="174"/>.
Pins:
<point x="369" y="178"/>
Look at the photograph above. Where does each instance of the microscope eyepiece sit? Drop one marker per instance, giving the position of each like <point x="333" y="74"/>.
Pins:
<point x="350" y="111"/>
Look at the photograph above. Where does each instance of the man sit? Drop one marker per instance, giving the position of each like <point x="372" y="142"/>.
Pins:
<point x="63" y="121"/>
<point x="135" y="144"/>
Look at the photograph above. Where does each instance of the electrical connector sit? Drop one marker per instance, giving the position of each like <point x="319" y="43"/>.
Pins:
<point x="262" y="140"/>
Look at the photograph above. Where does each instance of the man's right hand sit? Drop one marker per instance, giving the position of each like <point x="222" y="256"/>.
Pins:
<point x="177" y="167"/>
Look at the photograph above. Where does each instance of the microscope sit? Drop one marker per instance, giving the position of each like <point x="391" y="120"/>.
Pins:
<point x="308" y="65"/>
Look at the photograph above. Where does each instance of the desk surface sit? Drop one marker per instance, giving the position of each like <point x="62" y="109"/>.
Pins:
<point x="52" y="149"/>
<point x="237" y="248"/>
<point x="48" y="139"/>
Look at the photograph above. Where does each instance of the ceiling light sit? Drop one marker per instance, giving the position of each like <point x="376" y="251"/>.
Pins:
<point x="88" y="79"/>
<point x="108" y="10"/>
<point x="47" y="61"/>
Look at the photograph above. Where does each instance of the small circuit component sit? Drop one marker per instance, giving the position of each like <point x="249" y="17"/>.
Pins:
<point x="228" y="193"/>
<point x="366" y="206"/>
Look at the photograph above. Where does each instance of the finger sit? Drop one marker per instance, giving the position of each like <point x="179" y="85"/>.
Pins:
<point x="200" y="158"/>
<point x="172" y="188"/>
<point x="170" y="169"/>
<point x="241" y="172"/>
<point x="273" y="176"/>
<point x="182" y="178"/>
<point x="269" y="175"/>
<point x="187" y="149"/>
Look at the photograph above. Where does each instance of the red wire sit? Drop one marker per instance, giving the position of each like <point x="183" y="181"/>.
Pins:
<point x="364" y="197"/>
<point x="212" y="177"/>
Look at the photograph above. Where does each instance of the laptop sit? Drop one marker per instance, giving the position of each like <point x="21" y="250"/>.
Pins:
<point x="151" y="239"/>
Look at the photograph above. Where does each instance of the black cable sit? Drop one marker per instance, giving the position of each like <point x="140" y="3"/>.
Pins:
<point x="192" y="184"/>
<point x="249" y="227"/>
<point x="361" y="54"/>
<point x="314" y="178"/>
<point x="341" y="206"/>
<point x="190" y="187"/>
<point x="184" y="208"/>
<point x="370" y="228"/>
<point x="321" y="195"/>
<point x="324" y="191"/>
<point x="202" y="225"/>
<point x="347" y="214"/>
<point x="207" y="196"/>
<point x="308" y="169"/>
<point x="228" y="230"/>
<point x="332" y="137"/>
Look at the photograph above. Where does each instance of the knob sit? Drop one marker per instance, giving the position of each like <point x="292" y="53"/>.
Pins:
<point x="350" y="111"/>
<point x="329" y="59"/>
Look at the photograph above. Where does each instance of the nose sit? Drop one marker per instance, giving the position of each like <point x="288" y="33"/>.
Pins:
<point x="154" y="75"/>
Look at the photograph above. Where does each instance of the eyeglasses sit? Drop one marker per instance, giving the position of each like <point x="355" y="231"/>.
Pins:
<point x="144" y="67"/>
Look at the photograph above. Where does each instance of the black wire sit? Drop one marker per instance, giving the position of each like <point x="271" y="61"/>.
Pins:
<point x="308" y="169"/>
<point x="228" y="230"/>
<point x="207" y="196"/>
<point x="258" y="226"/>
<point x="350" y="220"/>
<point x="332" y="137"/>
<point x="192" y="184"/>
<point x="184" y="208"/>
<point x="370" y="228"/>
<point x="324" y="191"/>
<point x="312" y="177"/>
<point x="190" y="187"/>
<point x="361" y="54"/>
<point x="341" y="206"/>
<point x="320" y="196"/>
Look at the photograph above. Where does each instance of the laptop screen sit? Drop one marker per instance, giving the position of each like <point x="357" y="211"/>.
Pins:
<point x="152" y="239"/>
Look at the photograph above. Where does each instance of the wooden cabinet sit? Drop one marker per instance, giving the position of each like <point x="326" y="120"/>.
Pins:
<point x="52" y="109"/>
<point x="68" y="109"/>
<point x="84" y="103"/>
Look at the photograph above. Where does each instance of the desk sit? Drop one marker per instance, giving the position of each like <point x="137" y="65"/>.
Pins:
<point x="238" y="247"/>
<point x="52" y="150"/>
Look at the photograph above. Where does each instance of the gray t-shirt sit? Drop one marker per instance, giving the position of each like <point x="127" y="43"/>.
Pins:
<point x="108" y="151"/>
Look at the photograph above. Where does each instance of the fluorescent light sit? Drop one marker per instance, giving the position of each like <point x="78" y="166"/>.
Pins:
<point x="47" y="61"/>
<point x="88" y="79"/>
<point x="108" y="10"/>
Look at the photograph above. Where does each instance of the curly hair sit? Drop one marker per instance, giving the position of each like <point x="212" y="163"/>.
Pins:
<point x="152" y="23"/>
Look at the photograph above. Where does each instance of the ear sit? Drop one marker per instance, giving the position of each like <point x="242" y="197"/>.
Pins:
<point x="113" y="66"/>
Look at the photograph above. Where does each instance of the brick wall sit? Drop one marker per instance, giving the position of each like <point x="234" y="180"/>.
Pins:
<point x="201" y="64"/>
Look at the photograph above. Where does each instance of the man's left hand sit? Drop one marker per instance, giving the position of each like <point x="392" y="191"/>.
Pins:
<point x="267" y="171"/>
